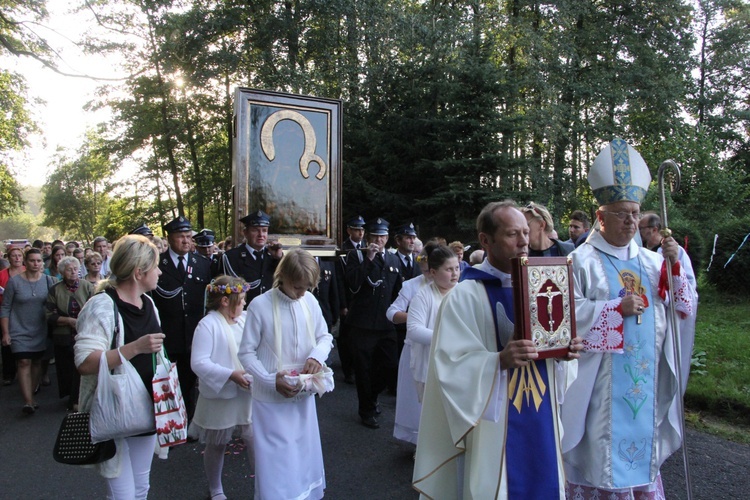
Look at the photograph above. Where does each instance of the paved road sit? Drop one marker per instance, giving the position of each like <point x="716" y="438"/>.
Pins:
<point x="360" y="463"/>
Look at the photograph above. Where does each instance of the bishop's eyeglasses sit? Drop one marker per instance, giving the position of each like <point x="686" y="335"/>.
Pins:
<point x="625" y="215"/>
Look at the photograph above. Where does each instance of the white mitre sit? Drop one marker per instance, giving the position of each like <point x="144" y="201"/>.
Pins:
<point x="619" y="173"/>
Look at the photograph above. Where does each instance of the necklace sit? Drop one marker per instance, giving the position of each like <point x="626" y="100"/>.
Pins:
<point x="622" y="278"/>
<point x="31" y="287"/>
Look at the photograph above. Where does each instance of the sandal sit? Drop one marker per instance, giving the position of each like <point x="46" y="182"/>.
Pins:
<point x="28" y="409"/>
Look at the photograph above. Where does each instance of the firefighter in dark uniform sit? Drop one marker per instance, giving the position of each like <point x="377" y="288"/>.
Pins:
<point x="355" y="228"/>
<point x="179" y="297"/>
<point x="328" y="292"/>
<point x="144" y="230"/>
<point x="374" y="279"/>
<point x="254" y="260"/>
<point x="405" y="236"/>
<point x="204" y="245"/>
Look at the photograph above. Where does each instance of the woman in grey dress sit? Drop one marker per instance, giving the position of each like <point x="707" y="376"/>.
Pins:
<point x="24" y="326"/>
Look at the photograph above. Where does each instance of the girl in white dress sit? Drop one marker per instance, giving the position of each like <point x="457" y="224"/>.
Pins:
<point x="286" y="338"/>
<point x="224" y="403"/>
<point x="444" y="271"/>
<point x="408" y="409"/>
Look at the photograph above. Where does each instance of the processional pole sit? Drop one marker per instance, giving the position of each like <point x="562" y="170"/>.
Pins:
<point x="676" y="345"/>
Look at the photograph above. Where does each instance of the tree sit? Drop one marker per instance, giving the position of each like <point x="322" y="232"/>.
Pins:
<point x="76" y="193"/>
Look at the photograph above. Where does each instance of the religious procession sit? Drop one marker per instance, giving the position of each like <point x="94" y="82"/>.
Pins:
<point x="375" y="250"/>
<point x="584" y="404"/>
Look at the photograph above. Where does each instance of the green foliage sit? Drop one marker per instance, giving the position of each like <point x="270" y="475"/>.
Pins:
<point x="11" y="200"/>
<point x="690" y="236"/>
<point x="731" y="276"/>
<point x="15" y="125"/>
<point x="447" y="105"/>
<point x="722" y="351"/>
<point x="76" y="194"/>
<point x="698" y="364"/>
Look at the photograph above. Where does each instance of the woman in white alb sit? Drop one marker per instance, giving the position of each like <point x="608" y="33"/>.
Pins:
<point x="406" y="421"/>
<point x="443" y="273"/>
<point x="285" y="339"/>
<point x="224" y="403"/>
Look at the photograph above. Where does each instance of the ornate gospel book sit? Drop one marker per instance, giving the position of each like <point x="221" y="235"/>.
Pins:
<point x="544" y="305"/>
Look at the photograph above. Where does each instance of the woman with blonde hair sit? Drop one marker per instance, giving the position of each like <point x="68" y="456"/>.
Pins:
<point x="93" y="264"/>
<point x="135" y="271"/>
<point x="285" y="337"/>
<point x="543" y="240"/>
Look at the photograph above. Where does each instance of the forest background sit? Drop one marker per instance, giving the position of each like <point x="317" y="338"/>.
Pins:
<point x="447" y="105"/>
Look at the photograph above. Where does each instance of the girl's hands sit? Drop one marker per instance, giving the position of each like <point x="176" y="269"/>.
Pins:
<point x="238" y="377"/>
<point x="283" y="388"/>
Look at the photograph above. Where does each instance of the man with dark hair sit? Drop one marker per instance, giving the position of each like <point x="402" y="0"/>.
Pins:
<point x="179" y="297"/>
<point x="256" y="259"/>
<point x="405" y="236"/>
<point x="101" y="245"/>
<point x="46" y="250"/>
<point x="578" y="227"/>
<point x="374" y="280"/>
<point x="355" y="228"/>
<point x="649" y="228"/>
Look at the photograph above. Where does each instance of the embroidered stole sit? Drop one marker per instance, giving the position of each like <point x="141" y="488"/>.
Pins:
<point x="531" y="451"/>
<point x="633" y="379"/>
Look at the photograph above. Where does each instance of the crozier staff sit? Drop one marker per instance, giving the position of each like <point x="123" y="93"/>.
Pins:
<point x="613" y="442"/>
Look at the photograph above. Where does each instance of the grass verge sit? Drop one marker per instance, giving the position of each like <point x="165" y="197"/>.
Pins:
<point x="718" y="394"/>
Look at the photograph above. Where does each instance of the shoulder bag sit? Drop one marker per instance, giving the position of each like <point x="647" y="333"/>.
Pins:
<point x="73" y="445"/>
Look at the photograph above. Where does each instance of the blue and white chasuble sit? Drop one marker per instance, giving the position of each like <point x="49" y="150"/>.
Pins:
<point x="530" y="446"/>
<point x="620" y="415"/>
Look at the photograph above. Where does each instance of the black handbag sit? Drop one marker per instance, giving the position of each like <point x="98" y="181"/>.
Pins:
<point x="73" y="445"/>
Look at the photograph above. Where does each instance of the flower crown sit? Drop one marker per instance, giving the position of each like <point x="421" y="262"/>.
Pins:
<point x="227" y="289"/>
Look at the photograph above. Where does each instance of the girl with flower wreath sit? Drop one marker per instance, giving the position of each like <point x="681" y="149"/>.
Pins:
<point x="224" y="403"/>
<point x="286" y="341"/>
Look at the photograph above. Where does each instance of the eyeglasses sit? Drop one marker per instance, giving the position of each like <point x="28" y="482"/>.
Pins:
<point x="625" y="215"/>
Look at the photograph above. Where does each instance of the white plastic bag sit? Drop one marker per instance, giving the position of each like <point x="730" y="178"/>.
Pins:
<point x="122" y="405"/>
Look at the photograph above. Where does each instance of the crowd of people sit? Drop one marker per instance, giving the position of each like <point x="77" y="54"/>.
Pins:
<point x="251" y="328"/>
